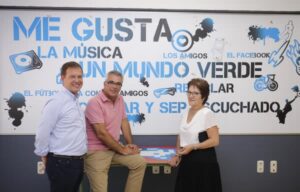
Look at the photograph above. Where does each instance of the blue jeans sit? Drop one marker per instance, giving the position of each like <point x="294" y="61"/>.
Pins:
<point x="64" y="174"/>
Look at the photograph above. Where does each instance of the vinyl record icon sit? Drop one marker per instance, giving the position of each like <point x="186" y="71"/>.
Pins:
<point x="25" y="61"/>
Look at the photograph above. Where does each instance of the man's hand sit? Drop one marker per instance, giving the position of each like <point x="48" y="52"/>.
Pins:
<point x="130" y="149"/>
<point x="134" y="148"/>
<point x="44" y="160"/>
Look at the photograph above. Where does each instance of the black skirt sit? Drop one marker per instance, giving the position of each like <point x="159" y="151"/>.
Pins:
<point x="199" y="172"/>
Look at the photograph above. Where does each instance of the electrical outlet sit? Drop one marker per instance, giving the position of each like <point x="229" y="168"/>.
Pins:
<point x="260" y="166"/>
<point x="155" y="169"/>
<point x="167" y="169"/>
<point x="40" y="168"/>
<point x="273" y="166"/>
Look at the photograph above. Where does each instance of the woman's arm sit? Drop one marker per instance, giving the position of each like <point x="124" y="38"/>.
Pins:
<point x="212" y="141"/>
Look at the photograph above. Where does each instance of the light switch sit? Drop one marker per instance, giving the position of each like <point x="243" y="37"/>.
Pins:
<point x="273" y="166"/>
<point x="155" y="169"/>
<point x="40" y="168"/>
<point x="167" y="169"/>
<point x="260" y="166"/>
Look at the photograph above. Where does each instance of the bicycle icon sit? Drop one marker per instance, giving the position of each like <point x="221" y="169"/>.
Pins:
<point x="266" y="82"/>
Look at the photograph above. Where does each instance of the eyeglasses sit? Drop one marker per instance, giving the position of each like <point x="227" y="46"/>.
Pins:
<point x="190" y="93"/>
<point x="119" y="84"/>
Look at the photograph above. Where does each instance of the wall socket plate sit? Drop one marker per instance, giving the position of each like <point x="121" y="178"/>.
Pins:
<point x="260" y="166"/>
<point x="273" y="166"/>
<point x="40" y="168"/>
<point x="167" y="169"/>
<point x="155" y="169"/>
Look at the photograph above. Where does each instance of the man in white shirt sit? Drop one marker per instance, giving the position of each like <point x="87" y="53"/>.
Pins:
<point x="61" y="136"/>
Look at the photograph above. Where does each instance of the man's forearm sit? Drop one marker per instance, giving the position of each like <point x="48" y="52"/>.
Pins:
<point x="127" y="132"/>
<point x="109" y="141"/>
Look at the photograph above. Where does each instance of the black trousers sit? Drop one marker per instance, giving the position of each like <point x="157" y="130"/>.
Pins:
<point x="65" y="174"/>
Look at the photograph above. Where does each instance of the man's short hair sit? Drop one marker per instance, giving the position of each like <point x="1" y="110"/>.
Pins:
<point x="70" y="64"/>
<point x="115" y="72"/>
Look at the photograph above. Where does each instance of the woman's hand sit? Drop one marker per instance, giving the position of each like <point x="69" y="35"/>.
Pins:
<point x="174" y="162"/>
<point x="186" y="150"/>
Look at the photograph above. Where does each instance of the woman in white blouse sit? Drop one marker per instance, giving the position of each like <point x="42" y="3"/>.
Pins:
<point x="198" y="135"/>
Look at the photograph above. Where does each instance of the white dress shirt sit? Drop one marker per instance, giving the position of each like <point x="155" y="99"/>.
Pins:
<point x="62" y="127"/>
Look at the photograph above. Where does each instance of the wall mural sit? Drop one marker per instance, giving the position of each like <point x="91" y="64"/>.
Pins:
<point x="252" y="62"/>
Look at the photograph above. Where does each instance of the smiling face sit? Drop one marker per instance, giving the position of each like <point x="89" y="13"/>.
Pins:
<point x="72" y="79"/>
<point x="112" y="86"/>
<point x="194" y="97"/>
<point x="198" y="92"/>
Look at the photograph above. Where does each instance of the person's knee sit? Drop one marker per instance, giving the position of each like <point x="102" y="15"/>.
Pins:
<point x="142" y="163"/>
<point x="139" y="163"/>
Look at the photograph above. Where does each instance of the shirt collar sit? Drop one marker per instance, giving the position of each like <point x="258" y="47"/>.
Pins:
<point x="73" y="96"/>
<point x="105" y="99"/>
